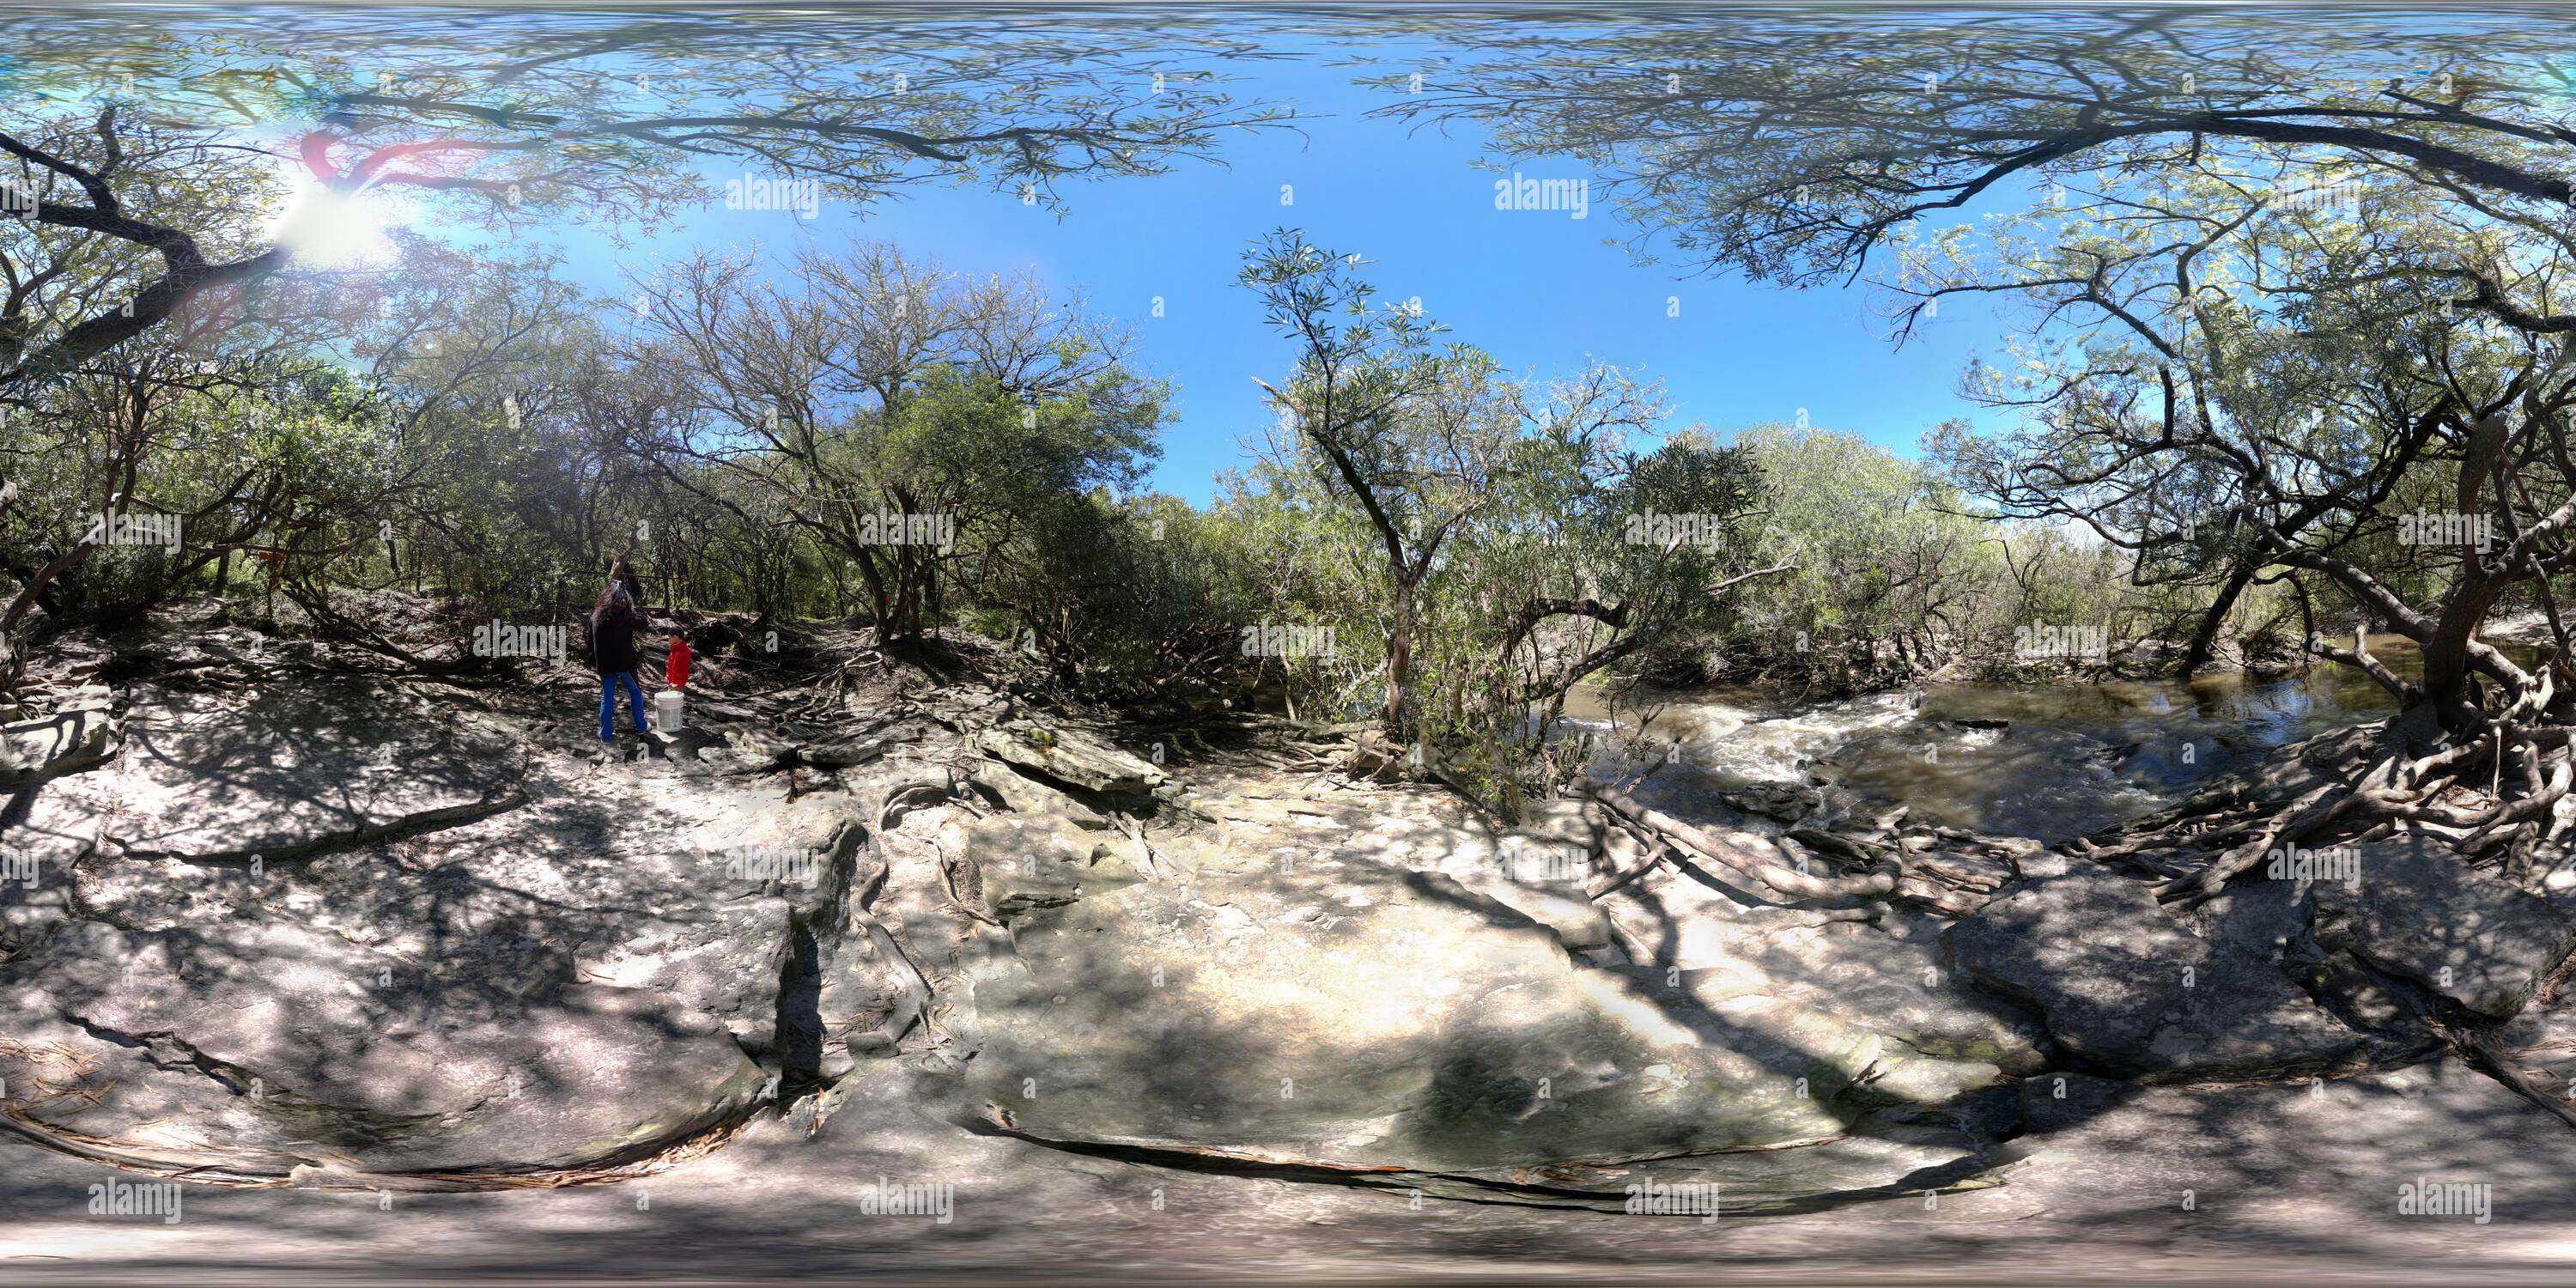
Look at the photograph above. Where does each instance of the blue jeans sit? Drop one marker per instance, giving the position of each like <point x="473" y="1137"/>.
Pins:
<point x="608" y="703"/>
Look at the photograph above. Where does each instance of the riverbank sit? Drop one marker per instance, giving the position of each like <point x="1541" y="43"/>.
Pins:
<point x="2053" y="759"/>
<point x="2074" y="656"/>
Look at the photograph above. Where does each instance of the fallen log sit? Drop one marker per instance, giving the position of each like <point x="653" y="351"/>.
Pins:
<point x="1746" y="866"/>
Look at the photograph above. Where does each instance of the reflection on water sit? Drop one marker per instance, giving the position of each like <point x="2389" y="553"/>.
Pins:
<point x="2075" y="757"/>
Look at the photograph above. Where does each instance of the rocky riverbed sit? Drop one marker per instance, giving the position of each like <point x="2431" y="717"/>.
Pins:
<point x="355" y="957"/>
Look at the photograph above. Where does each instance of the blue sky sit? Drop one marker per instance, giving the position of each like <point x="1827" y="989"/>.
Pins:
<point x="1538" y="289"/>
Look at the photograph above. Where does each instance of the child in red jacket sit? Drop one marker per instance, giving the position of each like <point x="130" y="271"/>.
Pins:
<point x="675" y="672"/>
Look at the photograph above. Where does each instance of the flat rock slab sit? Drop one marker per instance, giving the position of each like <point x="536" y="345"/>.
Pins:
<point x="1072" y="757"/>
<point x="1680" y="914"/>
<point x="1347" y="1015"/>
<point x="1572" y="828"/>
<point x="2289" y="1162"/>
<point x="1897" y="986"/>
<point x="1890" y="978"/>
<point x="685" y="887"/>
<point x="859" y="749"/>
<point x="678" y="886"/>
<point x="290" y="770"/>
<point x="1022" y="794"/>
<point x="293" y="1044"/>
<point x="1033" y="861"/>
<point x="1560" y="906"/>
<point x="1537" y="869"/>
<point x="56" y="823"/>
<point x="2416" y="911"/>
<point x="82" y="734"/>
<point x="2125" y="986"/>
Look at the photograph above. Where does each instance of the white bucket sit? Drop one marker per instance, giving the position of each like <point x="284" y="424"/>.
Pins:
<point x="666" y="711"/>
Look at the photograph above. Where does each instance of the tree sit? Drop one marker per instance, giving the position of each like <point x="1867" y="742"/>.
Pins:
<point x="161" y="217"/>
<point x="1500" y="540"/>
<point x="2204" y="290"/>
<point x="173" y="425"/>
<point x="1888" y="578"/>
<point x="1363" y="406"/>
<point x="147" y="161"/>
<point x="1794" y="147"/>
<point x="2274" y="380"/>
<point x="908" y="419"/>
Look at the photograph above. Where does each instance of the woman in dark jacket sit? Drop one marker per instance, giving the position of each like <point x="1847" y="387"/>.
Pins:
<point x="613" y="624"/>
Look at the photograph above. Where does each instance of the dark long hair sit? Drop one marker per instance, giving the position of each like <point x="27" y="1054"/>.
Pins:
<point x="608" y="597"/>
<point x="624" y="572"/>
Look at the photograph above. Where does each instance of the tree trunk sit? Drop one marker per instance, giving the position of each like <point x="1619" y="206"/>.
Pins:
<point x="2204" y="638"/>
<point x="878" y="604"/>
<point x="1399" y="668"/>
<point x="2447" y="668"/>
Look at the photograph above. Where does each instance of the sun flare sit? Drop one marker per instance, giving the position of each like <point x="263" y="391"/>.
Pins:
<point x="330" y="229"/>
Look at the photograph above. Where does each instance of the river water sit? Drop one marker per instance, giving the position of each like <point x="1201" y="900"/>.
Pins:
<point x="2075" y="758"/>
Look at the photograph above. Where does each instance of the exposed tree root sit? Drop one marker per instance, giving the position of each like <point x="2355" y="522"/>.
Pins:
<point x="2480" y="1049"/>
<point x="1657" y="850"/>
<point x="2493" y="791"/>
<point x="272" y="1169"/>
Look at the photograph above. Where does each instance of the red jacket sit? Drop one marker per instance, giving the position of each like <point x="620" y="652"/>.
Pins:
<point x="676" y="671"/>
